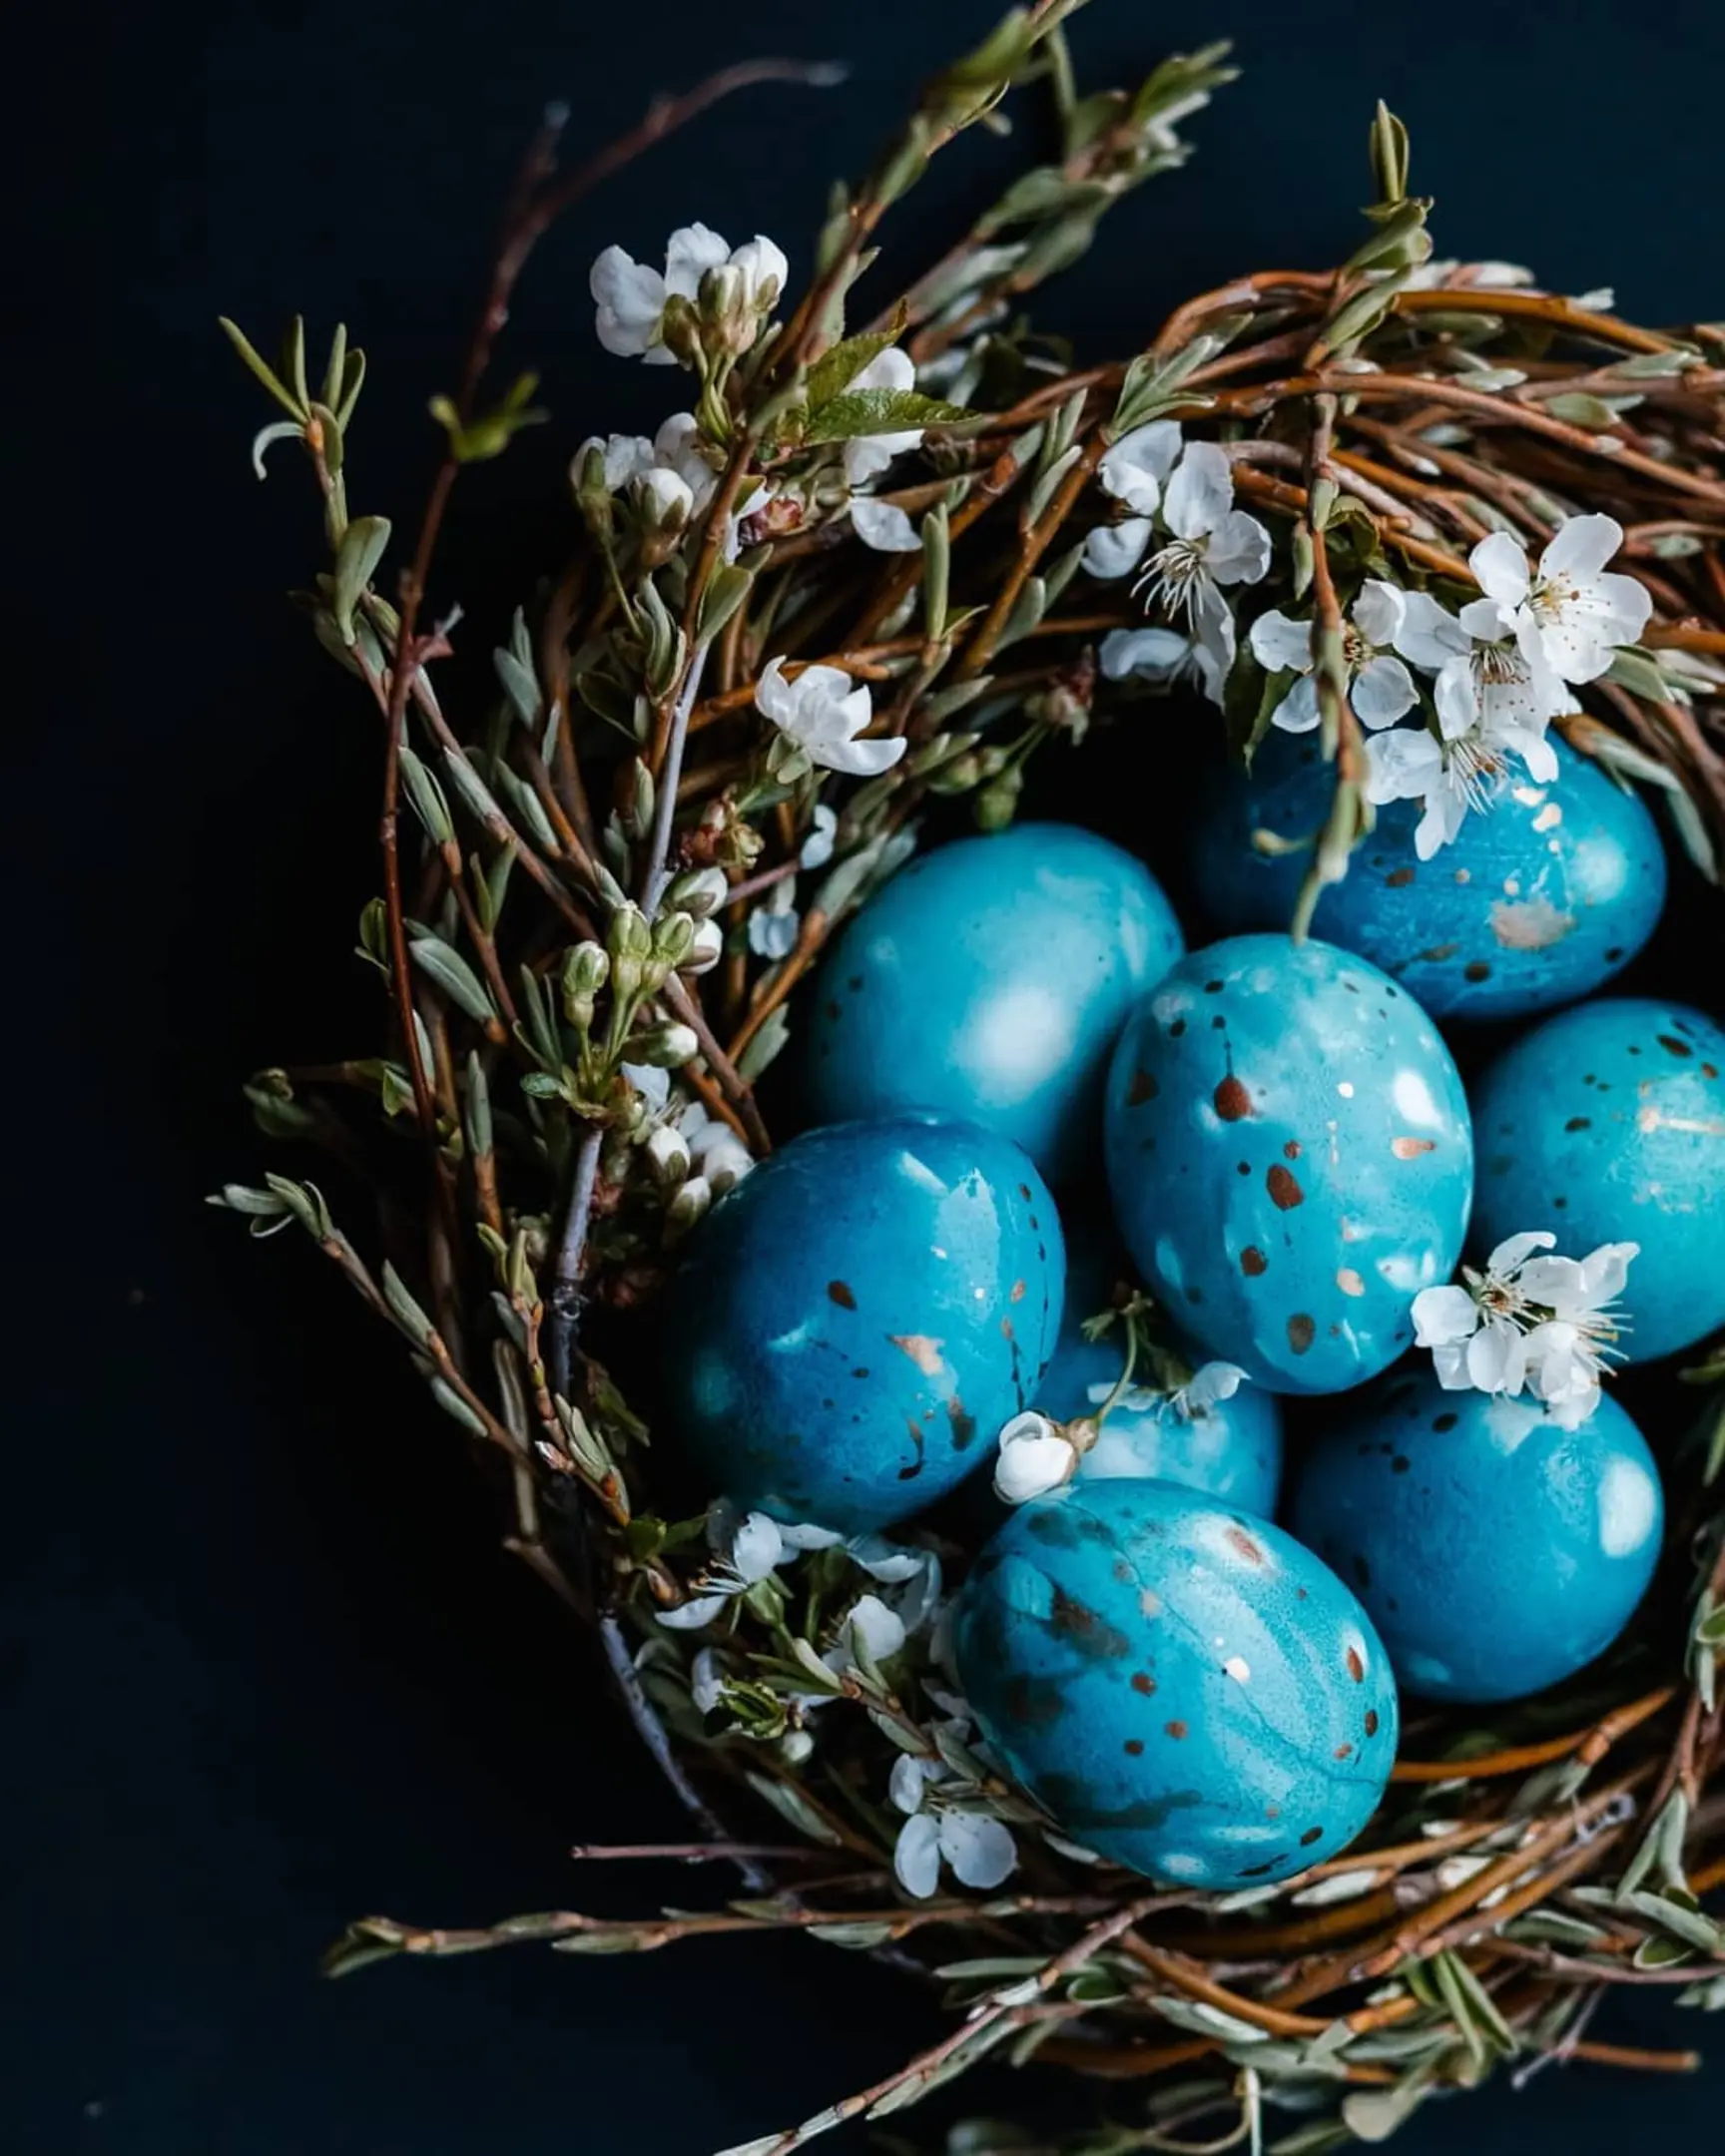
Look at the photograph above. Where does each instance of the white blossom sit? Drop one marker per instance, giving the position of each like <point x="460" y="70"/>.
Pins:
<point x="1171" y="656"/>
<point x="883" y="526"/>
<point x="707" y="949"/>
<point x="816" y="850"/>
<point x="825" y="713"/>
<point x="1207" y="1388"/>
<point x="772" y="924"/>
<point x="1380" y="688"/>
<point x="1479" y="275"/>
<point x="979" y="1849"/>
<point x="747" y="1548"/>
<point x="631" y="296"/>
<point x="1544" y="1325"/>
<point x="706" y="1680"/>
<point x="1036" y="1456"/>
<point x="714" y="1148"/>
<point x="867" y="454"/>
<point x="1487" y="682"/>
<point x="656" y="469"/>
<point x="1211" y="544"/>
<point x="1133" y="471"/>
<point x="1569" y="613"/>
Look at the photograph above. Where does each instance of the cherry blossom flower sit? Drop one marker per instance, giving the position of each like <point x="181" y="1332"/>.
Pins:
<point x="772" y="924"/>
<point x="747" y="1548"/>
<point x="867" y="454"/>
<point x="979" y="1850"/>
<point x="816" y="850"/>
<point x="1569" y="613"/>
<point x="1380" y="688"/>
<point x="1546" y="1325"/>
<point x="1171" y="656"/>
<point x="671" y="461"/>
<point x="1133" y="471"/>
<point x="883" y="525"/>
<point x="1212" y="542"/>
<point x="1485" y="680"/>
<point x="631" y="296"/>
<point x="1036" y="1456"/>
<point x="825" y="713"/>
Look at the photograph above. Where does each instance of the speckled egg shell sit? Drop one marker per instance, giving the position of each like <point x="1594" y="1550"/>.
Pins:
<point x="1189" y="1691"/>
<point x="1495" y="1554"/>
<point x="1536" y="904"/>
<point x="1232" y="1449"/>
<point x="855" y="1321"/>
<point x="990" y="979"/>
<point x="1606" y="1123"/>
<point x="1290" y="1157"/>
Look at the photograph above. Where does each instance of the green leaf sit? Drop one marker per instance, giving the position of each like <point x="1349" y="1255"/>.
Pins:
<point x="361" y="551"/>
<point x="402" y="1308"/>
<point x="1578" y="407"/>
<point x="837" y="369"/>
<point x="520" y="684"/>
<point x="879" y="411"/>
<point x="454" y="975"/>
<point x="265" y="436"/>
<point x="728" y="589"/>
<point x="260" y="368"/>
<point x="293" y="362"/>
<point x="793" y="1807"/>
<point x="429" y="803"/>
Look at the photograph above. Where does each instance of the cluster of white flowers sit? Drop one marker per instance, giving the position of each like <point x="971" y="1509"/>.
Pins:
<point x="939" y="1825"/>
<point x="1499" y="671"/>
<point x="668" y="476"/>
<point x="747" y="1547"/>
<point x="694" y="1155"/>
<point x="1546" y="1326"/>
<point x="736" y="286"/>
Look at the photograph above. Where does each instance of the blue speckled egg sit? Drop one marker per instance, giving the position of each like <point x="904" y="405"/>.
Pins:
<point x="1606" y="1123"/>
<point x="855" y="1321"/>
<point x="1290" y="1158"/>
<point x="1189" y="1691"/>
<point x="1497" y="1554"/>
<point x="1230" y="1448"/>
<point x="1537" y="902"/>
<point x="990" y="979"/>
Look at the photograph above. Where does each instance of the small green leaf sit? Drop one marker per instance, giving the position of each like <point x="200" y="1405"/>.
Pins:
<point x="427" y="797"/>
<point x="261" y="368"/>
<point x="879" y="411"/>
<point x="454" y="975"/>
<point x="357" y="556"/>
<point x="402" y="1308"/>
<point x="837" y="369"/>
<point x="793" y="1807"/>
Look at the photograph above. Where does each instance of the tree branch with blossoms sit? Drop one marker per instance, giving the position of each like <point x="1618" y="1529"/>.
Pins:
<point x="1424" y="511"/>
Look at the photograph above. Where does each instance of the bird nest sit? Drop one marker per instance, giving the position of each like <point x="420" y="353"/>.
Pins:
<point x="604" y="884"/>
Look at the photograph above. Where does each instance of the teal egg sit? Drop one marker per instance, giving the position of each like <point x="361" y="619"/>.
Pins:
<point x="855" y="1320"/>
<point x="1538" y="900"/>
<point x="990" y="979"/>
<point x="1606" y="1123"/>
<point x="1188" y="1690"/>
<point x="1229" y="1448"/>
<point x="1290" y="1158"/>
<point x="1495" y="1554"/>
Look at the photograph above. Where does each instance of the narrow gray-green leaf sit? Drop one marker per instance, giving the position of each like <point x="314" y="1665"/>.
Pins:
<point x="454" y="975"/>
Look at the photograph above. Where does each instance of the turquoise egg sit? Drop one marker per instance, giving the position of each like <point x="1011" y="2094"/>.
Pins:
<point x="990" y="979"/>
<point x="1537" y="902"/>
<point x="1187" y="1690"/>
<point x="1495" y="1552"/>
<point x="856" y="1318"/>
<point x="1290" y="1157"/>
<point x="1606" y="1123"/>
<point x="1229" y="1448"/>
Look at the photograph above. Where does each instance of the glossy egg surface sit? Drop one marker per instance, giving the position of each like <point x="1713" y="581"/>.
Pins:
<point x="1290" y="1158"/>
<point x="1188" y="1690"/>
<point x="1230" y="1448"/>
<point x="1495" y="1554"/>
<point x="856" y="1318"/>
<point x="1606" y="1123"/>
<point x="990" y="979"/>
<point x="1538" y="900"/>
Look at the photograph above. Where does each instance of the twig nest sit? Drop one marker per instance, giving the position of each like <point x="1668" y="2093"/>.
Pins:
<point x="1606" y="1123"/>
<point x="1497" y="1551"/>
<point x="1290" y="1157"/>
<point x="990" y="979"/>
<point x="1190" y="1692"/>
<point x="855" y="1321"/>
<point x="1536" y="904"/>
<point x="1223" y="1438"/>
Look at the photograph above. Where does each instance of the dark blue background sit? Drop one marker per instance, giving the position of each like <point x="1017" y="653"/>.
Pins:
<point x="265" y="1668"/>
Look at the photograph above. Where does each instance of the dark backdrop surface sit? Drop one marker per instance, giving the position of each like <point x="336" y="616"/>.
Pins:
<point x="264" y="1667"/>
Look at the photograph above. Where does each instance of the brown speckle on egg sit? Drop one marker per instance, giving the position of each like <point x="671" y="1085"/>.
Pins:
<point x="1232" y="1101"/>
<point x="1300" y="1330"/>
<point x="1253" y="1261"/>
<point x="1284" y="1189"/>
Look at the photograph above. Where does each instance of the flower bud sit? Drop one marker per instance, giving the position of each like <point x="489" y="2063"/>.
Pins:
<point x="630" y="944"/>
<point x="706" y="948"/>
<point x="699" y="891"/>
<point x="665" y="1046"/>
<point x="673" y="938"/>
<point x="688" y="1206"/>
<point x="668" y="1154"/>
<point x="1036" y="1456"/>
<point x="585" y="971"/>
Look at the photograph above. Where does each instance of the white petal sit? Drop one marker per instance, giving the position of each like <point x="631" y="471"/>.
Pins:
<point x="1215" y="1382"/>
<point x="1299" y="710"/>
<point x="1429" y="635"/>
<point x="1533" y="747"/>
<point x="1134" y="469"/>
<point x="979" y="1850"/>
<point x="775" y="697"/>
<point x="889" y="1562"/>
<point x="880" y="1630"/>
<point x="888" y="370"/>
<point x="1378" y="611"/>
<point x="1201" y="492"/>
<point x="761" y="263"/>
<point x="1401" y="764"/>
<point x="1497" y="1357"/>
<point x="905" y="1782"/>
<point x="757" y="1548"/>
<point x="1238" y="551"/>
<point x="1115" y="550"/>
<point x="1449" y="1363"/>
<point x="1278" y="641"/>
<point x="1514" y="1251"/>
<point x="883" y="526"/>
<point x="1443" y="1314"/>
<point x="706" y="1680"/>
<point x="667" y="494"/>
<point x="1383" y="692"/>
<point x="690" y="1616"/>
<point x="1501" y="569"/>
<point x="1606" y="1272"/>
<point x="1559" y="1283"/>
<point x="1151" y="654"/>
<point x="690" y="253"/>
<point x="917" y="1856"/>
<point x="1581" y="547"/>
<point x="817" y="847"/>
<point x="861" y="758"/>
<point x="1455" y="695"/>
<point x="804" y="1534"/>
<point x="1630" y="602"/>
<point x="652" y="1083"/>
